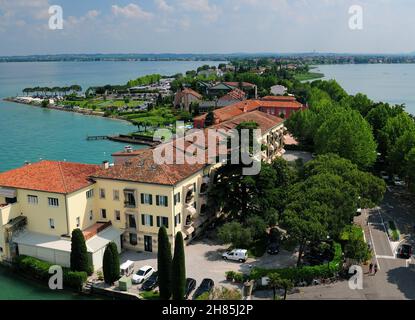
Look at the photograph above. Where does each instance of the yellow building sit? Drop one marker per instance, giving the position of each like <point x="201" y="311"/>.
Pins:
<point x="127" y="202"/>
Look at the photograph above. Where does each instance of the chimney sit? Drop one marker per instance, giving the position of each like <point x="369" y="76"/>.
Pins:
<point x="105" y="165"/>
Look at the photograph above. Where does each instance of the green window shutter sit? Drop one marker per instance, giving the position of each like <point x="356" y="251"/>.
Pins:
<point x="151" y="221"/>
<point x="151" y="199"/>
<point x="158" y="222"/>
<point x="142" y="198"/>
<point x="157" y="200"/>
<point x="166" y="204"/>
<point x="143" y="220"/>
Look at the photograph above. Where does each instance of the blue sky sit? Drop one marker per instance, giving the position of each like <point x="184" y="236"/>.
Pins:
<point x="206" y="26"/>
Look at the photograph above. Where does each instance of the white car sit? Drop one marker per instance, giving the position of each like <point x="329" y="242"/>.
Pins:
<point x="143" y="274"/>
<point x="398" y="182"/>
<point x="384" y="175"/>
<point x="240" y="255"/>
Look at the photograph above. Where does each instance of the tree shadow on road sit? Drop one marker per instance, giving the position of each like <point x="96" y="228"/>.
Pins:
<point x="404" y="279"/>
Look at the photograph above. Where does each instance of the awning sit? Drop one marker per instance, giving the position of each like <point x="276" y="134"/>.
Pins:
<point x="8" y="193"/>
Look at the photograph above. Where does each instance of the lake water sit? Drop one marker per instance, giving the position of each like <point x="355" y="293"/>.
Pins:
<point x="393" y="83"/>
<point x="31" y="133"/>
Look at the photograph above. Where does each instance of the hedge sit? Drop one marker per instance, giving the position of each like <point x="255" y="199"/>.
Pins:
<point x="39" y="269"/>
<point x="307" y="273"/>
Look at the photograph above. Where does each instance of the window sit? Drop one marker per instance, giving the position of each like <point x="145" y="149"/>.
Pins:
<point x="177" y="219"/>
<point x="78" y="222"/>
<point x="103" y="213"/>
<point x="117" y="215"/>
<point x="194" y="187"/>
<point x="133" y="239"/>
<point x="53" y="202"/>
<point x="32" y="199"/>
<point x="116" y="195"/>
<point x="162" y="221"/>
<point x="52" y="223"/>
<point x="146" y="198"/>
<point x="90" y="194"/>
<point x="102" y="193"/>
<point x="147" y="220"/>
<point x="177" y="198"/>
<point x="129" y="200"/>
<point x="131" y="221"/>
<point x="91" y="215"/>
<point x="162" y="201"/>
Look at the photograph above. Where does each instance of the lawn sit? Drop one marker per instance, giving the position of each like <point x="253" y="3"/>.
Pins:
<point x="150" y="295"/>
<point x="308" y="76"/>
<point x="100" y="104"/>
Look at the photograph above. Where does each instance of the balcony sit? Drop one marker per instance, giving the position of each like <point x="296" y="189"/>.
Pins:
<point x="190" y="210"/>
<point x="189" y="196"/>
<point x="14" y="227"/>
<point x="130" y="199"/>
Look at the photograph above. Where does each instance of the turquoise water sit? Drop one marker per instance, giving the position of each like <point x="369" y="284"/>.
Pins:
<point x="393" y="83"/>
<point x="29" y="133"/>
<point x="15" y="288"/>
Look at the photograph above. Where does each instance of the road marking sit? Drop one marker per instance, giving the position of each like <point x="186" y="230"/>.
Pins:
<point x="387" y="257"/>
<point x="374" y="249"/>
<point x="386" y="231"/>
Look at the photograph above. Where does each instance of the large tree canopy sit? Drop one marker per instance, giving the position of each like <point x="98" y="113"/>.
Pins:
<point x="349" y="135"/>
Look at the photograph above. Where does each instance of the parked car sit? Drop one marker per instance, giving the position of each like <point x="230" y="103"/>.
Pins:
<point x="190" y="286"/>
<point x="151" y="283"/>
<point x="405" y="251"/>
<point x="398" y="182"/>
<point x="384" y="175"/>
<point x="127" y="268"/>
<point x="206" y="286"/>
<point x="143" y="274"/>
<point x="273" y="248"/>
<point x="240" y="255"/>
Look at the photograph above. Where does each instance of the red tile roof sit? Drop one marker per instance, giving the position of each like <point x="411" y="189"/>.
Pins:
<point x="189" y="91"/>
<point x="235" y="94"/>
<point x="237" y="84"/>
<point x="50" y="176"/>
<point x="278" y="98"/>
<point x="264" y="121"/>
<point x="143" y="168"/>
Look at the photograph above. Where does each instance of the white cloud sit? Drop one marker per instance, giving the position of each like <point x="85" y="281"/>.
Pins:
<point x="92" y="14"/>
<point x="131" y="11"/>
<point x="210" y="11"/>
<point x="164" y="6"/>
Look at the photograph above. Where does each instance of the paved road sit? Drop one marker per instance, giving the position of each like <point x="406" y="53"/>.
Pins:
<point x="395" y="279"/>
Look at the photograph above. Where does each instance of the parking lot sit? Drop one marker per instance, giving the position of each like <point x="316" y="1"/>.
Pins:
<point x="204" y="260"/>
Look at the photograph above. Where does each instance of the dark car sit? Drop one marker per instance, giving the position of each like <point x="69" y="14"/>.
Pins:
<point x="151" y="283"/>
<point x="206" y="286"/>
<point x="273" y="248"/>
<point x="190" y="286"/>
<point x="405" y="251"/>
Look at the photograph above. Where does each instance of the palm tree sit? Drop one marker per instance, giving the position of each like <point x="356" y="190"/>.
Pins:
<point x="276" y="282"/>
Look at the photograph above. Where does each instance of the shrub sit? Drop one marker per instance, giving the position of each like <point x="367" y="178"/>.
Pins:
<point x="39" y="269"/>
<point x="178" y="269"/>
<point x="307" y="273"/>
<point x="394" y="232"/>
<point x="164" y="264"/>
<point x="238" y="277"/>
<point x="229" y="275"/>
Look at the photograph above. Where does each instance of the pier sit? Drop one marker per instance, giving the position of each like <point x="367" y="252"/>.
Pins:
<point x="92" y="138"/>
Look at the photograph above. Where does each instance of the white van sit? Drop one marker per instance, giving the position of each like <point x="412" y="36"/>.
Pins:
<point x="127" y="268"/>
<point x="240" y="255"/>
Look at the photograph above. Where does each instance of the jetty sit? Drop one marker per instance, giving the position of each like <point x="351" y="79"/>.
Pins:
<point x="138" y="140"/>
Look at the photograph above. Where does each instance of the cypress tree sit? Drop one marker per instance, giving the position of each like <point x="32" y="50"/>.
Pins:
<point x="164" y="263"/>
<point x="116" y="262"/>
<point x="79" y="254"/>
<point x="107" y="265"/>
<point x="179" y="269"/>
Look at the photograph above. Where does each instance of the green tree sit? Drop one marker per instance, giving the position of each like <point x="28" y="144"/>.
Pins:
<point x="349" y="135"/>
<point x="357" y="250"/>
<point x="274" y="283"/>
<point x="45" y="103"/>
<point x="179" y="269"/>
<point x="164" y="264"/>
<point x="79" y="255"/>
<point x="236" y="234"/>
<point x="116" y="263"/>
<point x="108" y="266"/>
<point x="410" y="169"/>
